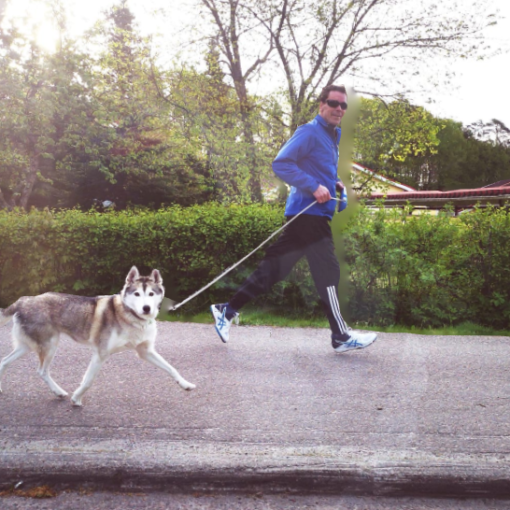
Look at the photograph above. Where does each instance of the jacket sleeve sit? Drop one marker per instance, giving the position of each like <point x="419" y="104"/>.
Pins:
<point x="286" y="163"/>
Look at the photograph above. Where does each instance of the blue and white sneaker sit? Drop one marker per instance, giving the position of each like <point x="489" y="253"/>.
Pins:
<point x="221" y="323"/>
<point x="356" y="340"/>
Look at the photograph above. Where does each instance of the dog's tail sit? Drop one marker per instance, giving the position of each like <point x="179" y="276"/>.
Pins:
<point x="6" y="314"/>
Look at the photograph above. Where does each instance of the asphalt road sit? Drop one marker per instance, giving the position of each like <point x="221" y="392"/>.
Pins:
<point x="250" y="501"/>
<point x="275" y="408"/>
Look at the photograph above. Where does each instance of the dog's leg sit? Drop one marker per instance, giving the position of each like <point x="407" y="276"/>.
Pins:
<point x="19" y="351"/>
<point x="155" y="358"/>
<point x="93" y="369"/>
<point x="46" y="357"/>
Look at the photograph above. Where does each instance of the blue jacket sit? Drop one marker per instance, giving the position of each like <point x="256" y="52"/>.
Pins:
<point x="309" y="158"/>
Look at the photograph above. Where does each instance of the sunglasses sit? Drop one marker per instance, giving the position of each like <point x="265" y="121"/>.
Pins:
<point x="335" y="104"/>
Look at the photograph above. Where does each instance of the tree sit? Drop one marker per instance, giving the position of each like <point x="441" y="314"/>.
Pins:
<point x="41" y="102"/>
<point x="461" y="160"/>
<point x="452" y="159"/>
<point x="322" y="42"/>
<point x="232" y="21"/>
<point x="407" y="143"/>
<point x="495" y="132"/>
<point x="76" y="127"/>
<point x="448" y="164"/>
<point x="483" y="163"/>
<point x="136" y="155"/>
<point x="319" y="43"/>
<point x="314" y="44"/>
<point x="205" y="110"/>
<point x="394" y="139"/>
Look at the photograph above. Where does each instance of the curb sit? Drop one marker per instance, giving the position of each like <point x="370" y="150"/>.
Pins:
<point x="123" y="465"/>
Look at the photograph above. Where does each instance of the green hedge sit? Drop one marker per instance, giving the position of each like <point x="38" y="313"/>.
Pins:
<point x="424" y="271"/>
<point x="90" y="253"/>
<point x="429" y="270"/>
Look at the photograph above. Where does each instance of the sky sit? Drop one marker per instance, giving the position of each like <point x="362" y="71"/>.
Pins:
<point x="477" y="91"/>
<point x="481" y="88"/>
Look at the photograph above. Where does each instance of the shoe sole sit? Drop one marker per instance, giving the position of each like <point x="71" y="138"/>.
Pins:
<point x="215" y="327"/>
<point x="357" y="348"/>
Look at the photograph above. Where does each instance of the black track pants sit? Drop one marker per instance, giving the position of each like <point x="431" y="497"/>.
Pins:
<point x="308" y="236"/>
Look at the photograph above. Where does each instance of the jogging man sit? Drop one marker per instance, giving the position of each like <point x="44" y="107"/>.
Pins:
<point x="308" y="163"/>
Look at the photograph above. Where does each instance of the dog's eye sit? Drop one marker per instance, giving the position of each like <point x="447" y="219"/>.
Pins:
<point x="137" y="294"/>
<point x="151" y="293"/>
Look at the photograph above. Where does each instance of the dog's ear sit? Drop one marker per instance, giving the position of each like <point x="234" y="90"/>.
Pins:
<point x="156" y="276"/>
<point x="132" y="275"/>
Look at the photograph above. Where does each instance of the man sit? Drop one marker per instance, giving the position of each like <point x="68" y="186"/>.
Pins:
<point x="308" y="162"/>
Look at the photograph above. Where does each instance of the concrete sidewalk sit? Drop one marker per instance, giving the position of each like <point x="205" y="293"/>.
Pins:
<point x="275" y="409"/>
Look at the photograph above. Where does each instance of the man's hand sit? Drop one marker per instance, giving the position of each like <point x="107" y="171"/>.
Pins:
<point x="322" y="194"/>
<point x="339" y="186"/>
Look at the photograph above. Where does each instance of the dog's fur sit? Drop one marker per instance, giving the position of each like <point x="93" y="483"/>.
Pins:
<point x="108" y="324"/>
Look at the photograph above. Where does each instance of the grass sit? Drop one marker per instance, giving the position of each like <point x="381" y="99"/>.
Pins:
<point x="255" y="317"/>
<point x="464" y="329"/>
<point x="260" y="317"/>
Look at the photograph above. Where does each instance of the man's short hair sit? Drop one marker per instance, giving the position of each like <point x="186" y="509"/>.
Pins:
<point x="331" y="88"/>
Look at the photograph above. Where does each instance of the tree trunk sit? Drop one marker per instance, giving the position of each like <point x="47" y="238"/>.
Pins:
<point x="254" y="181"/>
<point x="245" y="110"/>
<point x="28" y="185"/>
<point x="3" y="202"/>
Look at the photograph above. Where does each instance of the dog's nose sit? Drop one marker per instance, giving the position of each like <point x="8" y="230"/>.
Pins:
<point x="146" y="309"/>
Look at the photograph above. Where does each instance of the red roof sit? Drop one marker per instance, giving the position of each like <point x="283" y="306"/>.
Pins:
<point x="457" y="193"/>
<point x="383" y="178"/>
<point x="498" y="184"/>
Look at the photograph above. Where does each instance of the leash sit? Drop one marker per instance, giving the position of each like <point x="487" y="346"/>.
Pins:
<point x="173" y="307"/>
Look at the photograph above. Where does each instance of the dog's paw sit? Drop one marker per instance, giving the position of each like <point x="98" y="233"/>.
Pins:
<point x="76" y="401"/>
<point x="185" y="385"/>
<point x="61" y="394"/>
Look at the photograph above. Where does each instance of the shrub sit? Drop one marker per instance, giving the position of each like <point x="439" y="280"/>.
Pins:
<point x="429" y="270"/>
<point x="410" y="270"/>
<point x="90" y="253"/>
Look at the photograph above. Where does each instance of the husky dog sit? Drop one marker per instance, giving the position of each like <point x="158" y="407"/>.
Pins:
<point x="108" y="324"/>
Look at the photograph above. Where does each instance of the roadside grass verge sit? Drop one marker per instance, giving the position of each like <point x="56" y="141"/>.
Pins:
<point x="464" y="329"/>
<point x="255" y="317"/>
<point x="260" y="317"/>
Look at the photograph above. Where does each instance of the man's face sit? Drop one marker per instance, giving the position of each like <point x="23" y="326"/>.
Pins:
<point x="333" y="115"/>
